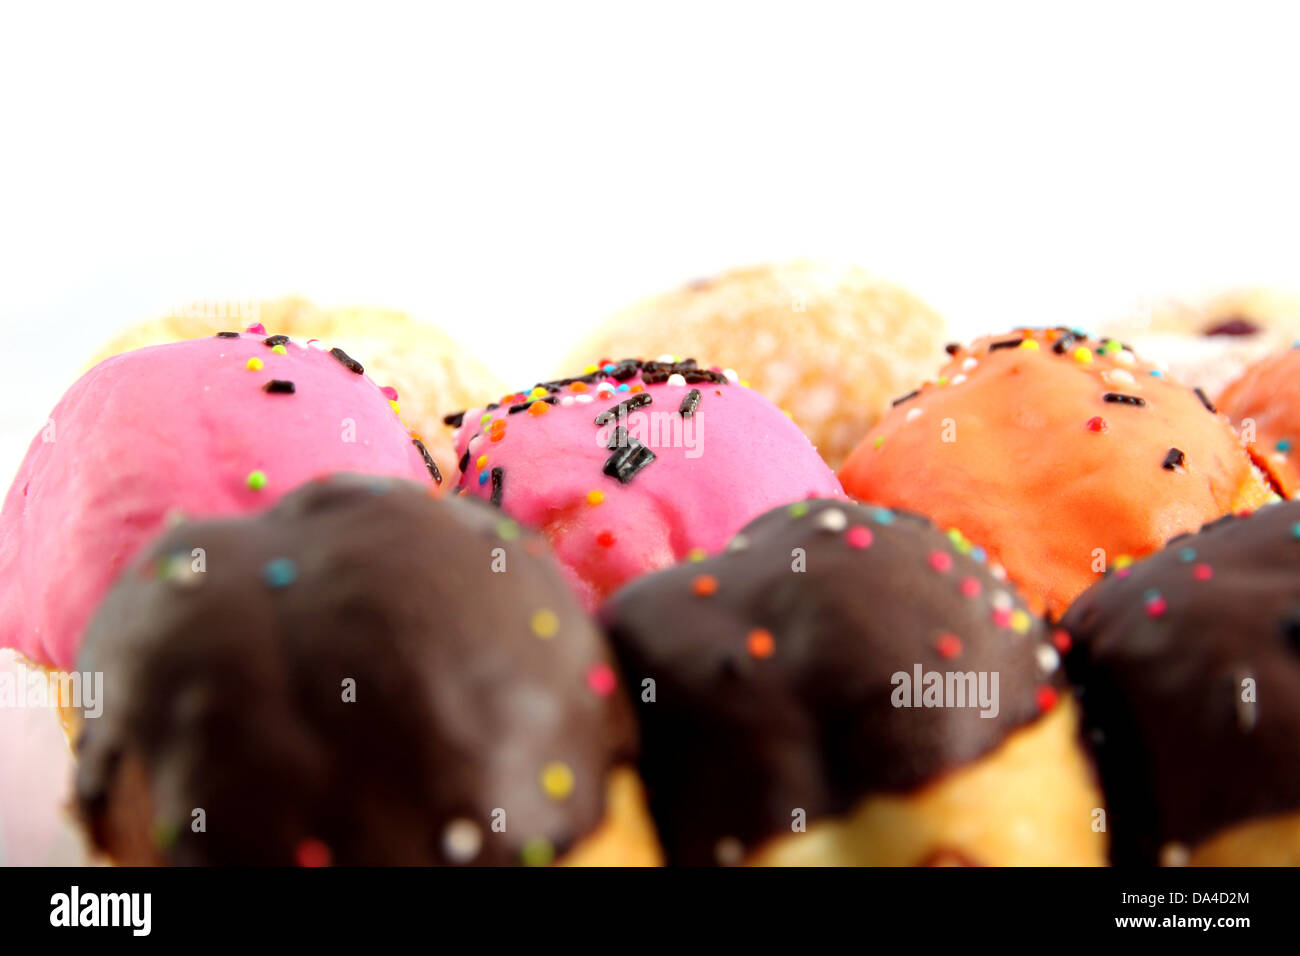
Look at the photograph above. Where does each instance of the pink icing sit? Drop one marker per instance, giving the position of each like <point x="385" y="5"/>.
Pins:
<point x="172" y="429"/>
<point x="748" y="457"/>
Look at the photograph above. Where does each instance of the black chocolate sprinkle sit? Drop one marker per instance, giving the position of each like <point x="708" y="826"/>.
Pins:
<point x="1174" y="458"/>
<point x="498" y="480"/>
<point x="279" y="386"/>
<point x="1205" y="399"/>
<point x="464" y="461"/>
<point x="523" y="406"/>
<point x="690" y="403"/>
<point x="952" y="348"/>
<point x="1005" y="344"/>
<point x="619" y="439"/>
<point x="626" y="462"/>
<point x="903" y="398"/>
<point x="351" y="364"/>
<point x="455" y="419"/>
<point x="1120" y="399"/>
<point x="1064" y="342"/>
<point x="428" y="461"/>
<point x="611" y="414"/>
<point x="275" y="340"/>
<point x="227" y="335"/>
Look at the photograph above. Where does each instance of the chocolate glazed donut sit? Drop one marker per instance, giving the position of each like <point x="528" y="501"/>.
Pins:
<point x="786" y="681"/>
<point x="361" y="675"/>
<point x="1189" y="663"/>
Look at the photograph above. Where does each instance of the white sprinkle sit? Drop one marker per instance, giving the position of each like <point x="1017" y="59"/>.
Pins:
<point x="462" y="840"/>
<point x="832" y="519"/>
<point x="1125" y="357"/>
<point x="729" y="851"/>
<point x="969" y="364"/>
<point x="914" y="414"/>
<point x="1117" y="376"/>
<point x="1174" y="854"/>
<point x="666" y="359"/>
<point x="731" y="375"/>
<point x="1048" y="659"/>
<point x="998" y="571"/>
<point x="1002" y="600"/>
<point x="957" y="380"/>
<point x="677" y="379"/>
<point x="567" y="400"/>
<point x="582" y="399"/>
<point x="738" y="543"/>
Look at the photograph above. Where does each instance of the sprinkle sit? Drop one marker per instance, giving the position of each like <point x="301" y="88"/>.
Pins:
<point x="1002" y="600"/>
<point x="1064" y="342"/>
<point x="482" y="478"/>
<point x="256" y="480"/>
<point x="1097" y="424"/>
<point x="461" y="840"/>
<point x="1061" y="640"/>
<point x="696" y="555"/>
<point x="760" y="642"/>
<point x="704" y="585"/>
<point x="464" y="461"/>
<point x="540" y="408"/>
<point x="738" y="543"/>
<point x="913" y="414"/>
<point x="859" y="537"/>
<point x="1006" y="344"/>
<point x="397" y="409"/>
<point x="971" y="587"/>
<point x="1122" y="561"/>
<point x="882" y="516"/>
<point x="227" y="335"/>
<point x="969" y="363"/>
<point x="1029" y="345"/>
<point x="952" y="348"/>
<point x="905" y="398"/>
<point x="1173" y="459"/>
<point x="622" y="408"/>
<point x="349" y="363"/>
<point x="1156" y="373"/>
<point x="677" y="379"/>
<point x="690" y="403"/>
<point x="1119" y="376"/>
<point x="507" y="529"/>
<point x="279" y="386"/>
<point x="280" y="350"/>
<point x="958" y="379"/>
<point x="978" y="554"/>
<point x="1295" y="530"/>
<point x="1283" y="445"/>
<point x="254" y="365"/>
<point x="1020" y="621"/>
<point x="1082" y="355"/>
<point x="1202" y="572"/>
<point x="941" y="561"/>
<point x="798" y="509"/>
<point x="545" y="623"/>
<point x="731" y="375"/>
<point x="1119" y="398"/>
<point x="605" y="539"/>
<point x="1046" y="698"/>
<point x="627" y="462"/>
<point x="455" y="419"/>
<point x="601" y="679"/>
<point x="498" y="481"/>
<point x="557" y="780"/>
<point x="275" y="340"/>
<point x="880" y="440"/>
<point x="1187" y="555"/>
<point x="1205" y="399"/>
<point x="1156" y="606"/>
<point x="312" y="853"/>
<point x="280" y="573"/>
<point x="595" y="496"/>
<point x="832" y="519"/>
<point x="948" y="645"/>
<point x="538" y="852"/>
<point x="1048" y="659"/>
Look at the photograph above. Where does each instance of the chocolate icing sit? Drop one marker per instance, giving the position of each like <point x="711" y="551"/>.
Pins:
<point x="226" y="687"/>
<point x="1160" y="652"/>
<point x="773" y="687"/>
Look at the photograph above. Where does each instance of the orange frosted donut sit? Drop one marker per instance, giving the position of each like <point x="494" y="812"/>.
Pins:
<point x="1264" y="403"/>
<point x="1058" y="453"/>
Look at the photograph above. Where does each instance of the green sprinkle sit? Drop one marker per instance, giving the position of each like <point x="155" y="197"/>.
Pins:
<point x="798" y="509"/>
<point x="507" y="530"/>
<point x="256" y="480"/>
<point x="538" y="852"/>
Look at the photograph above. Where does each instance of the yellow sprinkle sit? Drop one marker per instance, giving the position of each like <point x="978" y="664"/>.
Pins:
<point x="743" y="383"/>
<point x="1020" y="621"/>
<point x="1123" y="561"/>
<point x="557" y="780"/>
<point x="696" y="554"/>
<point x="279" y="350"/>
<point x="1082" y="355"/>
<point x="545" y="623"/>
<point x="589" y="369"/>
<point x="595" y="496"/>
<point x="1030" y="345"/>
<point x="480" y="462"/>
<point x="254" y="365"/>
<point x="396" y="408"/>
<point x="880" y="440"/>
<point x="537" y="392"/>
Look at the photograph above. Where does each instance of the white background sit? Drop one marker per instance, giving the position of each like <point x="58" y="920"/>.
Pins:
<point x="517" y="172"/>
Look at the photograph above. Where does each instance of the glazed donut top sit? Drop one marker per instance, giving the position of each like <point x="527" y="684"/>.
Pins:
<point x="1059" y="453"/>
<point x="482" y="695"/>
<point x="221" y="425"/>
<point x="776" y="671"/>
<point x="1189" y="664"/>
<point x="633" y="465"/>
<point x="1264" y="404"/>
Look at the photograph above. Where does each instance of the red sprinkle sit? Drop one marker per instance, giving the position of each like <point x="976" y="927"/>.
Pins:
<point x="600" y="678"/>
<point x="390" y="393"/>
<point x="941" y="561"/>
<point x="605" y="539"/>
<point x="1046" y="698"/>
<point x="1097" y="424"/>
<point x="859" y="536"/>
<point x="312" y="853"/>
<point x="971" y="587"/>
<point x="1061" y="640"/>
<point x="1002" y="616"/>
<point x="1202" y="572"/>
<point x="948" y="645"/>
<point x="1156" y="607"/>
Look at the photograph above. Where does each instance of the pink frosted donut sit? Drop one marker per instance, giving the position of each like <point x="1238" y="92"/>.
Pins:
<point x="208" y="427"/>
<point x="635" y="465"/>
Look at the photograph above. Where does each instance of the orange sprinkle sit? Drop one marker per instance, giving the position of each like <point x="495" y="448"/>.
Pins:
<point x="539" y="408"/>
<point x="705" y="585"/>
<point x="637" y="388"/>
<point x="497" y="436"/>
<point x="578" y="387"/>
<point x="498" y="426"/>
<point x="761" y="643"/>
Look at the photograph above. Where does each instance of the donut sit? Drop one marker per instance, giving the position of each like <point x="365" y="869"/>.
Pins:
<point x="1210" y="341"/>
<point x="1060" y="454"/>
<point x="633" y="465"/>
<point x="363" y="675"/>
<point x="1264" y="405"/>
<point x="830" y="345"/>
<point x="422" y="368"/>
<point x="804" y="700"/>
<point x="1189" y="665"/>
<point x="220" y="425"/>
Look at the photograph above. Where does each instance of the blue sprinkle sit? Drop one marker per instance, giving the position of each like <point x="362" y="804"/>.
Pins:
<point x="483" y="477"/>
<point x="624" y="388"/>
<point x="883" y="516"/>
<point x="1157" y="373"/>
<point x="1187" y="554"/>
<point x="1151" y="595"/>
<point x="1295" y="530"/>
<point x="979" y="554"/>
<point x="609" y="368"/>
<point x="1284" y="445"/>
<point x="280" y="573"/>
